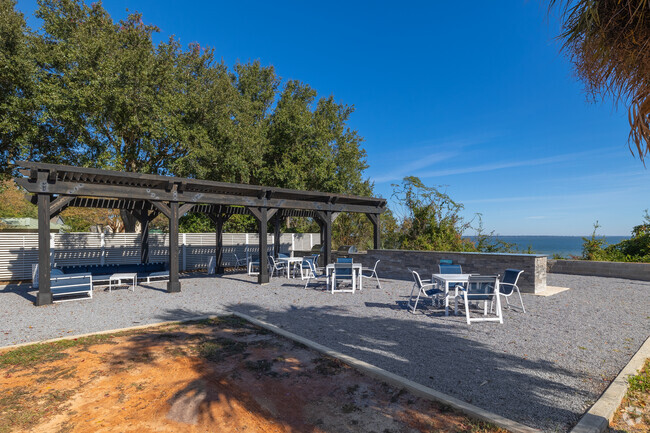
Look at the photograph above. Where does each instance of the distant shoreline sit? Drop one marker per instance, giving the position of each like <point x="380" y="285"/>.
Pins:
<point x="563" y="246"/>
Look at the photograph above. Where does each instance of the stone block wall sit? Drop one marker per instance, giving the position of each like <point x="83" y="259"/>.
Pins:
<point x="631" y="271"/>
<point x="395" y="264"/>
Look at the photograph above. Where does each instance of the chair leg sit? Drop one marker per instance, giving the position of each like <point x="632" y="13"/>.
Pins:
<point x="377" y="278"/>
<point x="467" y="309"/>
<point x="499" y="312"/>
<point x="521" y="300"/>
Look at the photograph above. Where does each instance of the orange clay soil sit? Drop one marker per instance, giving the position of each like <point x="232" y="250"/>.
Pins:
<point x="212" y="376"/>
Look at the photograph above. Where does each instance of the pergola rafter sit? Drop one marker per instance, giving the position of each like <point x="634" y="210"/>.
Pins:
<point x="57" y="187"/>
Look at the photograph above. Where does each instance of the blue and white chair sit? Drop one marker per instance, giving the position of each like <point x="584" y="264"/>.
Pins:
<point x="508" y="286"/>
<point x="483" y="288"/>
<point x="423" y="288"/>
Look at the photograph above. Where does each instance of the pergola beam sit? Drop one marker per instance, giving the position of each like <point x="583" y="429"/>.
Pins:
<point x="127" y="192"/>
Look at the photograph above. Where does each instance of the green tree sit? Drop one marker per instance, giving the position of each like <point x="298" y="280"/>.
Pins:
<point x="17" y="70"/>
<point x="431" y="219"/>
<point x="608" y="40"/>
<point x="592" y="247"/>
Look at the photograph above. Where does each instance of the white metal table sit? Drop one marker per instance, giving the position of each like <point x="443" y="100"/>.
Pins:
<point x="356" y="268"/>
<point x="445" y="280"/>
<point x="118" y="279"/>
<point x="289" y="261"/>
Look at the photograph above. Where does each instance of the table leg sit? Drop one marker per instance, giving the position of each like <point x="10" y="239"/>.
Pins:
<point x="446" y="298"/>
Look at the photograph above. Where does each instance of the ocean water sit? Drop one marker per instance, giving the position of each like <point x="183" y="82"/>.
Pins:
<point x="565" y="246"/>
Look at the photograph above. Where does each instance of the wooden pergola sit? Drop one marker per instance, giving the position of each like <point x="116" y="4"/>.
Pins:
<point x="56" y="187"/>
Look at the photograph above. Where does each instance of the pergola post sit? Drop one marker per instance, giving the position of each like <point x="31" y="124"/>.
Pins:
<point x="143" y="217"/>
<point x="326" y="235"/>
<point x="218" y="219"/>
<point x="263" y="214"/>
<point x="276" y="235"/>
<point x="173" y="285"/>
<point x="44" y="295"/>
<point x="376" y="227"/>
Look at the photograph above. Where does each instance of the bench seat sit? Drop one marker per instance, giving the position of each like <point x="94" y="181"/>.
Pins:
<point x="67" y="287"/>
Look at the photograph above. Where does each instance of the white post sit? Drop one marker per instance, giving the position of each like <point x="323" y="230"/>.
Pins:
<point x="184" y="252"/>
<point x="292" y="243"/>
<point x="102" y="246"/>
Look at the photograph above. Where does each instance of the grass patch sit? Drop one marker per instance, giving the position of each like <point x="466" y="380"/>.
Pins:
<point x="27" y="356"/>
<point x="219" y="348"/>
<point x="641" y="382"/>
<point x="19" y="408"/>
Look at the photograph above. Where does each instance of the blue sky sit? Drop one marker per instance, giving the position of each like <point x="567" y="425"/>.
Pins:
<point x="474" y="96"/>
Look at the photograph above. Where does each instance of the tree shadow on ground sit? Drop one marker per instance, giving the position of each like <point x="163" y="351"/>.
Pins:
<point x="262" y="374"/>
<point x="434" y="355"/>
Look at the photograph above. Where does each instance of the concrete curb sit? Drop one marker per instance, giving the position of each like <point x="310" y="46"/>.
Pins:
<point x="598" y="417"/>
<point x="398" y="381"/>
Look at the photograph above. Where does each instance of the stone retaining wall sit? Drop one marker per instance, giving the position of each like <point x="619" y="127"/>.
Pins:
<point x="631" y="271"/>
<point x="395" y="264"/>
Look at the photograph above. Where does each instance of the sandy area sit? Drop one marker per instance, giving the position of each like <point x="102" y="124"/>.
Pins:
<point x="225" y="376"/>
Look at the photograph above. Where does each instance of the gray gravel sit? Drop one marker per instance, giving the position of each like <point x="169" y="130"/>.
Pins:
<point x="543" y="368"/>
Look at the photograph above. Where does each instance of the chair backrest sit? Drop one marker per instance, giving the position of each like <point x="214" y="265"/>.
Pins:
<point x="509" y="280"/>
<point x="343" y="271"/>
<point x="310" y="266"/>
<point x="450" y="269"/>
<point x="481" y="287"/>
<point x="307" y="260"/>
<point x="376" y="263"/>
<point x="446" y="262"/>
<point x="416" y="278"/>
<point x="271" y="261"/>
<point x="344" y="260"/>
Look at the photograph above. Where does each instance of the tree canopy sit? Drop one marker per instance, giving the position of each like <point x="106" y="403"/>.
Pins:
<point x="608" y="41"/>
<point x="88" y="91"/>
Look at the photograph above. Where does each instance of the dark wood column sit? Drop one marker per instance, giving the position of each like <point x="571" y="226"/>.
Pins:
<point x="172" y="213"/>
<point x="44" y="295"/>
<point x="173" y="285"/>
<point x="376" y="225"/>
<point x="143" y="217"/>
<point x="263" y="214"/>
<point x="219" y="220"/>
<point x="326" y="235"/>
<point x="276" y="234"/>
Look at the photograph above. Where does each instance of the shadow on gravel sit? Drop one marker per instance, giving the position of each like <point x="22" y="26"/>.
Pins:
<point x="435" y="355"/>
<point x="22" y="290"/>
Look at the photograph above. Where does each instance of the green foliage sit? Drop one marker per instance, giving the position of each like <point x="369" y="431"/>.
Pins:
<point x="635" y="249"/>
<point x="592" y="247"/>
<point x="89" y="91"/>
<point x="431" y="219"/>
<point x="490" y="243"/>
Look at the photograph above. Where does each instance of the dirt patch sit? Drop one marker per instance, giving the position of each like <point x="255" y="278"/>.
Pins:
<point x="221" y="375"/>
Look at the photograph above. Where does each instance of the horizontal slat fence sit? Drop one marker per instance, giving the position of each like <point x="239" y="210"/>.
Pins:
<point x="18" y="251"/>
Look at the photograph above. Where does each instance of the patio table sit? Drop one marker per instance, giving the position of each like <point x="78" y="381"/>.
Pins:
<point x="356" y="268"/>
<point x="444" y="280"/>
<point x="289" y="261"/>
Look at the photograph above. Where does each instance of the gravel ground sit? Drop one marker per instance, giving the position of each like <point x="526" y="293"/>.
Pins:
<point x="543" y="368"/>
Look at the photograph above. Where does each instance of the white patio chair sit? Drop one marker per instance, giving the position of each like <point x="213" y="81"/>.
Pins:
<point x="343" y="272"/>
<point x="425" y="288"/>
<point x="508" y="285"/>
<point x="481" y="288"/>
<point x="372" y="273"/>
<point x="276" y="266"/>
<point x="312" y="273"/>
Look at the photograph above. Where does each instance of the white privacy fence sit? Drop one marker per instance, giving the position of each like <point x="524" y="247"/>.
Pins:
<point x="18" y="251"/>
